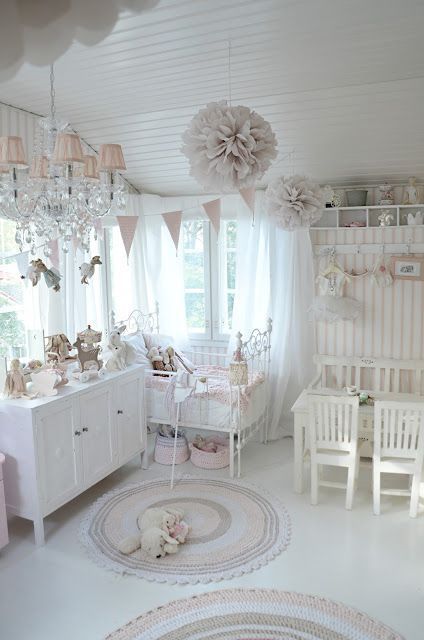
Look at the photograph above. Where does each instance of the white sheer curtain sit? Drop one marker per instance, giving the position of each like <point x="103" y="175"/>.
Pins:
<point x="158" y="271"/>
<point x="275" y="278"/>
<point x="251" y="303"/>
<point x="293" y="336"/>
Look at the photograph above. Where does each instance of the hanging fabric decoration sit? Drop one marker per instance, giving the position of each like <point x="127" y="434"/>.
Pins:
<point x="53" y="252"/>
<point x="248" y="196"/>
<point x="75" y="243"/>
<point x="22" y="262"/>
<point x="213" y="211"/>
<point x="127" y="226"/>
<point x="294" y="202"/>
<point x="172" y="219"/>
<point x="229" y="148"/>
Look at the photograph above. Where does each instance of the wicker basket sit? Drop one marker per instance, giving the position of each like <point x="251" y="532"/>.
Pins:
<point x="164" y="449"/>
<point x="211" y="459"/>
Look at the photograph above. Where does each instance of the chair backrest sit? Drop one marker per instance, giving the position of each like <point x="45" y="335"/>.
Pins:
<point x="333" y="422"/>
<point x="398" y="429"/>
<point x="375" y="374"/>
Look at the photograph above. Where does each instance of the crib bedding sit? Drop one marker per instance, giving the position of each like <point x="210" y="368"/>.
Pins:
<point x="212" y="408"/>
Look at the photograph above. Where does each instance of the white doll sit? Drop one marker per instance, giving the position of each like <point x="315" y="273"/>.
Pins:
<point x="15" y="385"/>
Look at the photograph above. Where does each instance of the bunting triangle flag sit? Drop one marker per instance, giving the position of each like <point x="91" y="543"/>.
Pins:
<point x="22" y="261"/>
<point x="127" y="226"/>
<point x="172" y="219"/>
<point x="248" y="196"/>
<point x="54" y="256"/>
<point x="213" y="211"/>
<point x="75" y="243"/>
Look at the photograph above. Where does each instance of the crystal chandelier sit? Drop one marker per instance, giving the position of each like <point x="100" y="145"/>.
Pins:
<point x="66" y="190"/>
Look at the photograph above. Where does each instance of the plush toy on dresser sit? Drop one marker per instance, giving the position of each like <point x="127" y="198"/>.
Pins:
<point x="15" y="386"/>
<point x="122" y="353"/>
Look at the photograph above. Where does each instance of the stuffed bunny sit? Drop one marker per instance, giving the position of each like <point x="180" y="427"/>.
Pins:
<point x="154" y="541"/>
<point x="122" y="352"/>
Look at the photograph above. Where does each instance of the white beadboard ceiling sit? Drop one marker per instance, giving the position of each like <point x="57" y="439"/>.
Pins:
<point x="341" y="81"/>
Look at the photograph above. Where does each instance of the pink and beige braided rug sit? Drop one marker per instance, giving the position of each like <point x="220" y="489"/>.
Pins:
<point x="235" y="528"/>
<point x="254" y="614"/>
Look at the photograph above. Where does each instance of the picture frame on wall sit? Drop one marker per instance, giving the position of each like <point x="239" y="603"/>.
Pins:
<point x="408" y="268"/>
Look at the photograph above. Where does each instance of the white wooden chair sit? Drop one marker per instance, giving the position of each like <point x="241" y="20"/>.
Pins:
<point x="398" y="448"/>
<point x="333" y="433"/>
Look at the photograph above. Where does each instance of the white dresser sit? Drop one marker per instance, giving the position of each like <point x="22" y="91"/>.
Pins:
<point x="57" y="447"/>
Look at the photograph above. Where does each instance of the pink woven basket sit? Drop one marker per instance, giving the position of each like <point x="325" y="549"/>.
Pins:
<point x="211" y="459"/>
<point x="164" y="450"/>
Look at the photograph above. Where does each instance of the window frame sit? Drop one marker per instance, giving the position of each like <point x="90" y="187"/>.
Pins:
<point x="215" y="276"/>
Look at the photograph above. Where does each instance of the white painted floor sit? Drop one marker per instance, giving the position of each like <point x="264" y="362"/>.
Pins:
<point x="375" y="564"/>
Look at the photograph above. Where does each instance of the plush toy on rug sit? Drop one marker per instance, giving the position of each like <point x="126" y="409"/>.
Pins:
<point x="161" y="531"/>
<point x="87" y="269"/>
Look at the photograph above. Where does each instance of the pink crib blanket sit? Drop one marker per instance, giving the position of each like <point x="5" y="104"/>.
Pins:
<point x="218" y="385"/>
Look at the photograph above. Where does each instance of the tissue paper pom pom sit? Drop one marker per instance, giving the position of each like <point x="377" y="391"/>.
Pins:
<point x="294" y="202"/>
<point x="229" y="148"/>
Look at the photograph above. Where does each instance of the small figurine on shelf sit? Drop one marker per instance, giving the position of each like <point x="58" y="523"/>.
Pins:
<point x="386" y="194"/>
<point x="15" y="386"/>
<point x="416" y="219"/>
<point x="87" y="269"/>
<point x="386" y="218"/>
<point x="410" y="195"/>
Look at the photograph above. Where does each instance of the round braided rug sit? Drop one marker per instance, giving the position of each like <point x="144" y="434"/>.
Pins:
<point x="235" y="528"/>
<point x="254" y="614"/>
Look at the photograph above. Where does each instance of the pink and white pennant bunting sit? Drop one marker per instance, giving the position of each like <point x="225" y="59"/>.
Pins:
<point x="213" y="211"/>
<point x="54" y="255"/>
<point x="127" y="226"/>
<point x="248" y="196"/>
<point x="172" y="219"/>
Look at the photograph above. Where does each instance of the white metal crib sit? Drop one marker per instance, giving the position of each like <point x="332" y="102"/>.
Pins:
<point x="241" y="425"/>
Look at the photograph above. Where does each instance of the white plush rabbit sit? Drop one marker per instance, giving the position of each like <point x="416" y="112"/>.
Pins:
<point x="123" y="353"/>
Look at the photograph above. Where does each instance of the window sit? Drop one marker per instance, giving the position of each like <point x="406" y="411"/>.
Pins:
<point x="16" y="300"/>
<point x="209" y="277"/>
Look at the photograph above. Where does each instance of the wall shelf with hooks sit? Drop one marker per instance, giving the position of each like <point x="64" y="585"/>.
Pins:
<point x="398" y="248"/>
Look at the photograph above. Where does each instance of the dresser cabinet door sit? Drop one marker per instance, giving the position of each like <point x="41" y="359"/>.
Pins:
<point x="59" y="455"/>
<point x="97" y="434"/>
<point x="129" y="408"/>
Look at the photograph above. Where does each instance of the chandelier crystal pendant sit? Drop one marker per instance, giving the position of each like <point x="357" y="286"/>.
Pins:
<point x="66" y="190"/>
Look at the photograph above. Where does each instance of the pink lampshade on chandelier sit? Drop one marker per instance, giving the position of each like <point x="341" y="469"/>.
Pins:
<point x="66" y="189"/>
<point x="12" y="152"/>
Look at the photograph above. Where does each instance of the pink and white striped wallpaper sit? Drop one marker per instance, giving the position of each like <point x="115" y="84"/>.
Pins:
<point x="392" y="321"/>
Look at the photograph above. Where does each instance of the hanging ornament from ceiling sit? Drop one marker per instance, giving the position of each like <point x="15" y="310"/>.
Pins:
<point x="229" y="148"/>
<point x="294" y="202"/>
<point x="40" y="32"/>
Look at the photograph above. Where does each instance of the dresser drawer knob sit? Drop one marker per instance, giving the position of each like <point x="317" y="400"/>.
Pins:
<point x="85" y="429"/>
<point x="120" y="412"/>
<point x="77" y="433"/>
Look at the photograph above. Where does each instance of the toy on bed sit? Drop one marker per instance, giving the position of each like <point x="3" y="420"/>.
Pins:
<point x="162" y="359"/>
<point x="122" y="353"/>
<point x="155" y="537"/>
